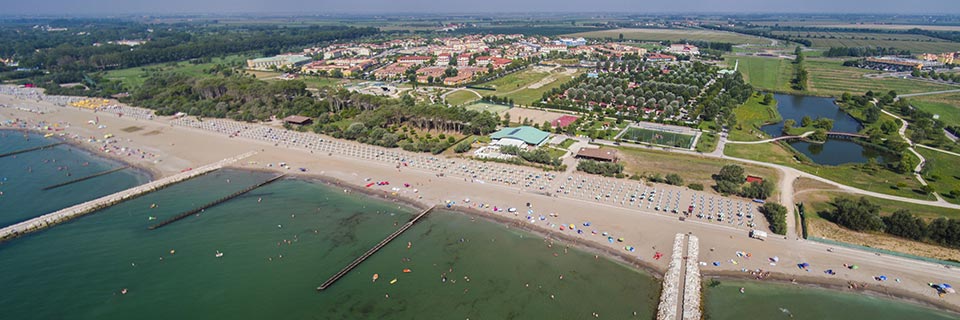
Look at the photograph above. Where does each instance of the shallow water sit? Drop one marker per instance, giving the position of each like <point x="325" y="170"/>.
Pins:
<point x="77" y="270"/>
<point x="23" y="176"/>
<point x="765" y="300"/>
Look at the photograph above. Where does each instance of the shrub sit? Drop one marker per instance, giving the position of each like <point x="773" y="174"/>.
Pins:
<point x="695" y="186"/>
<point x="674" y="179"/>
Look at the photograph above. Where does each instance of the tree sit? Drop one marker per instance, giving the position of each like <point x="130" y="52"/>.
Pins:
<point x="805" y="121"/>
<point x="506" y="119"/>
<point x="857" y="215"/>
<point x="620" y="37"/>
<point x="730" y="172"/>
<point x="904" y="224"/>
<point x="788" y="124"/>
<point x="767" y="99"/>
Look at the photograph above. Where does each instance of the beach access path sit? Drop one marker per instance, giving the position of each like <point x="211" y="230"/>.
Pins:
<point x="644" y="229"/>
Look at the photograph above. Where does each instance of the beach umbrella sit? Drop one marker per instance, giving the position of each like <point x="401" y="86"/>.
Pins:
<point x="854" y="267"/>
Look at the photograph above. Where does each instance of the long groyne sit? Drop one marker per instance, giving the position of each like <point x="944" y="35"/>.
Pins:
<point x="692" y="291"/>
<point x="84" y="178"/>
<point x="214" y="203"/>
<point x="670" y="294"/>
<point x="373" y="250"/>
<point x="30" y="149"/>
<point x="69" y="213"/>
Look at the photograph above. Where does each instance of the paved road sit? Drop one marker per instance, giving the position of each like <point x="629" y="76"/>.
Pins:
<point x="926" y="93"/>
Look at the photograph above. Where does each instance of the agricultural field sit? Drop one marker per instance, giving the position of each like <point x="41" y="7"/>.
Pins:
<point x="461" y="97"/>
<point x="673" y="35"/>
<point x="485" y="106"/>
<point x="945" y="105"/>
<point x="134" y="77"/>
<point x="942" y="172"/>
<point x="913" y="42"/>
<point x="663" y="138"/>
<point x="764" y="73"/>
<point x="830" y="78"/>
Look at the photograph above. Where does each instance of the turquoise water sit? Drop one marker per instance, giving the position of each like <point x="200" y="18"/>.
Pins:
<point x="276" y="252"/>
<point x="764" y="300"/>
<point x="23" y="176"/>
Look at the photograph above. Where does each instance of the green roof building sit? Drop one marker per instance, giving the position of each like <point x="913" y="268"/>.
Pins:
<point x="529" y="135"/>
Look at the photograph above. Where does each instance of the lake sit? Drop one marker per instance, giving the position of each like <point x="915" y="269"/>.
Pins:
<point x="834" y="151"/>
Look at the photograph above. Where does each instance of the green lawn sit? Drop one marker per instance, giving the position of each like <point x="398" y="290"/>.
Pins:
<point x="945" y="105"/>
<point x="134" y="77"/>
<point x="942" y="172"/>
<point x="567" y="143"/>
<point x="765" y="73"/>
<point x="530" y="95"/>
<point x="751" y="116"/>
<point x="707" y="142"/>
<point x="484" y="106"/>
<point x="856" y="175"/>
<point x="461" y="97"/>
<point x="693" y="169"/>
<point x="913" y="42"/>
<point x="513" y="81"/>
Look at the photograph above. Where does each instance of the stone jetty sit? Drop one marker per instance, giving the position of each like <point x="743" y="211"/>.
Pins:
<point x="680" y="297"/>
<point x="69" y="213"/>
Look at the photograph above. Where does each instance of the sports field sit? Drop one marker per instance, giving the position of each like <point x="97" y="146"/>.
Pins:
<point x="673" y="35"/>
<point x="461" y="97"/>
<point x="658" y="137"/>
<point x="486" y="106"/>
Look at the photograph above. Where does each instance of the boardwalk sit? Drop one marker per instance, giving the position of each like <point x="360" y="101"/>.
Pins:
<point x="69" y="213"/>
<point x="373" y="250"/>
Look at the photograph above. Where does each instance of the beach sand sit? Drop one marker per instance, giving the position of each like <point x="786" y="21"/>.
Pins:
<point x="177" y="148"/>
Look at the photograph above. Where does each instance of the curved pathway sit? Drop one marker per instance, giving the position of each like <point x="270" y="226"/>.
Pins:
<point x="938" y="150"/>
<point x="444" y="96"/>
<point x="916" y="171"/>
<point x="804" y="135"/>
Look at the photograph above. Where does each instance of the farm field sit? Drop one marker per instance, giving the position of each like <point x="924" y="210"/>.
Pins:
<point x="913" y="42"/>
<point x="830" y="78"/>
<point x="892" y="26"/>
<point x="945" y="105"/>
<point x="134" y="77"/>
<point x="663" y="138"/>
<point x="673" y="35"/>
<point x="461" y="97"/>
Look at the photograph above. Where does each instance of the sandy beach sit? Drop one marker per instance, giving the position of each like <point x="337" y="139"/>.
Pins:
<point x="165" y="147"/>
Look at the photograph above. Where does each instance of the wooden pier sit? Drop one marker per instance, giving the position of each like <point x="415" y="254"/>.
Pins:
<point x="214" y="203"/>
<point x="30" y="149"/>
<point x="84" y="178"/>
<point x="373" y="250"/>
<point x="69" y="213"/>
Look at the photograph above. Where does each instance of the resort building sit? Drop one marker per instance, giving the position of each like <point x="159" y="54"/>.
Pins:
<point x="279" y="61"/>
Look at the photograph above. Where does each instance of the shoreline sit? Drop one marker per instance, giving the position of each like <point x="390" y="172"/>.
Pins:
<point x="831" y="284"/>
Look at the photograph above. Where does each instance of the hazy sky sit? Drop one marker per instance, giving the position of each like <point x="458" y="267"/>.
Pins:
<point x="475" y="6"/>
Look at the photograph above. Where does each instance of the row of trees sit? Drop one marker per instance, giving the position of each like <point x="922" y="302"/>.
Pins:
<point x="933" y="74"/>
<point x="776" y="215"/>
<point x="862" y="215"/>
<point x="538" y="155"/>
<point x="863" y="52"/>
<point x="800" y="76"/>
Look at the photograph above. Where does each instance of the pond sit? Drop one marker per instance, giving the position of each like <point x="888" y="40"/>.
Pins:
<point x="834" y="151"/>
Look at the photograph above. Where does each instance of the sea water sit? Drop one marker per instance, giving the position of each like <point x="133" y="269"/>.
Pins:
<point x="283" y="240"/>
<point x="23" y="176"/>
<point x="764" y="300"/>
